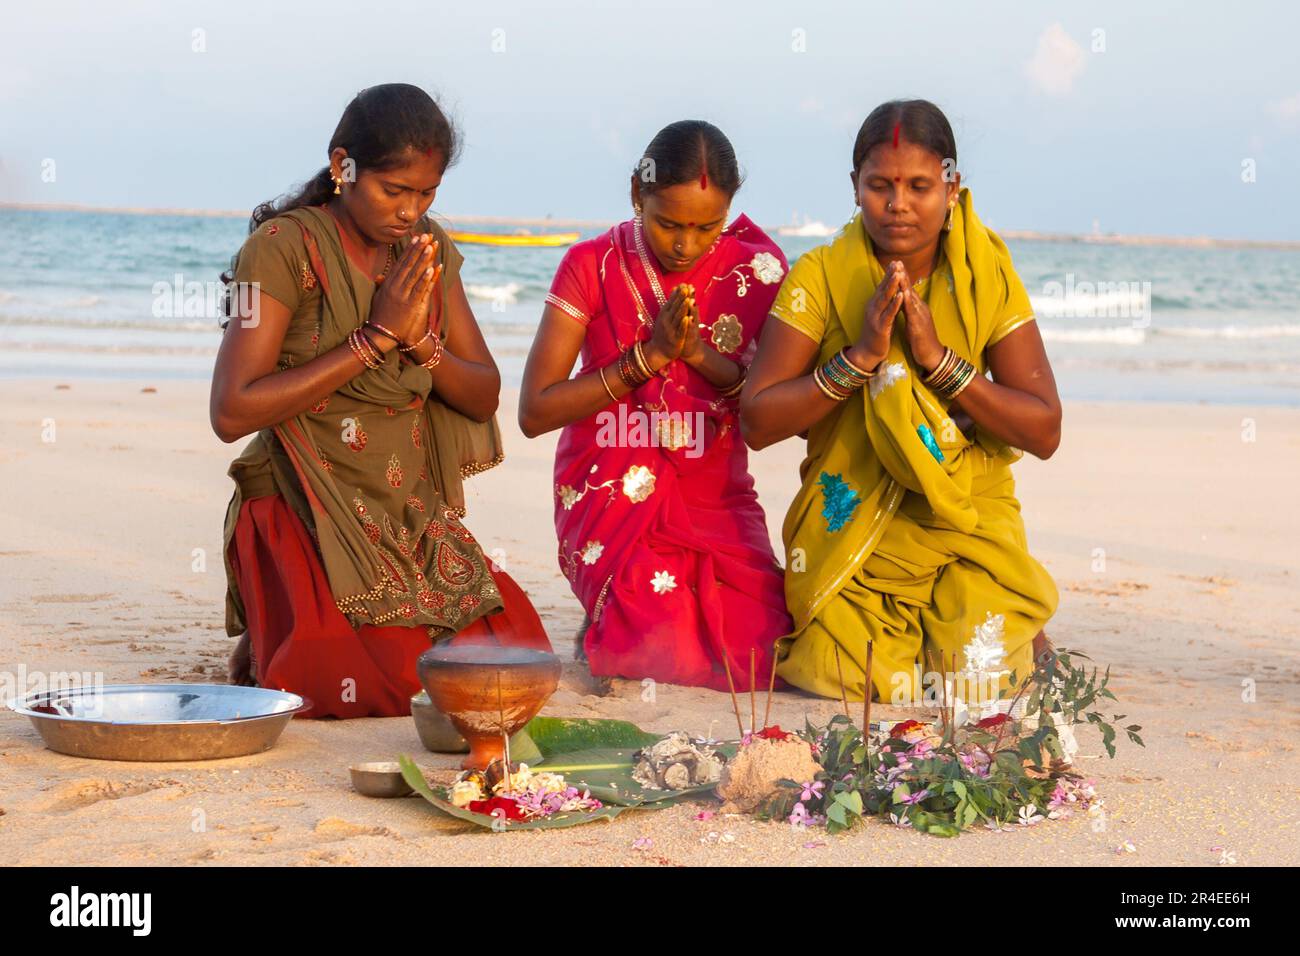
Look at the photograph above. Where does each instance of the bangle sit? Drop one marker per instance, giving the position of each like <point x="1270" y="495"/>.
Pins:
<point x="827" y="387"/>
<point x="951" y="376"/>
<point x="838" y="377"/>
<point x="433" y="360"/>
<point x="642" y="362"/>
<point x="632" y="368"/>
<point x="608" y="390"/>
<point x="416" y="344"/>
<point x="734" y="389"/>
<point x="362" y="349"/>
<point x="382" y="331"/>
<point x="368" y="345"/>
<point x="853" y="366"/>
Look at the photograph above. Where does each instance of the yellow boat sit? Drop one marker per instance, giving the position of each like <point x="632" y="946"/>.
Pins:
<point x="548" y="240"/>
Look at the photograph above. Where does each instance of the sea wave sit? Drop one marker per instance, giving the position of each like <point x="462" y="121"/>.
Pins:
<point x="507" y="293"/>
<point x="1137" y="335"/>
<point x="70" y="322"/>
<point x="1120" y="335"/>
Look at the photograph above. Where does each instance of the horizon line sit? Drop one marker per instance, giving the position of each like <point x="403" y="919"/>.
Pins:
<point x="1031" y="235"/>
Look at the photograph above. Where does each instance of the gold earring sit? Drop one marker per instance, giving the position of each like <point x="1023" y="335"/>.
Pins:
<point x="338" y="186"/>
<point x="947" y="226"/>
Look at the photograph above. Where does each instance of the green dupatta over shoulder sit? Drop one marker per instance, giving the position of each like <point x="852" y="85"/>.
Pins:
<point x="891" y="466"/>
<point x="375" y="469"/>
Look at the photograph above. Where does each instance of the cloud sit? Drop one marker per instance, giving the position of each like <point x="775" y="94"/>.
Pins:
<point x="1057" y="62"/>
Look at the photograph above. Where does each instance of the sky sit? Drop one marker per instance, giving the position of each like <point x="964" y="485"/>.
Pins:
<point x="1160" y="118"/>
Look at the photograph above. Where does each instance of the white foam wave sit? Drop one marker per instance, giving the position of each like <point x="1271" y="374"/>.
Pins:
<point x="1122" y="335"/>
<point x="507" y="294"/>
<point x="1234" y="331"/>
<point x="1129" y="302"/>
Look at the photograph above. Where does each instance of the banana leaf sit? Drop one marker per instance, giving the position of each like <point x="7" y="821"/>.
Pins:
<point x="607" y="773"/>
<point x="545" y="737"/>
<point x="438" y="797"/>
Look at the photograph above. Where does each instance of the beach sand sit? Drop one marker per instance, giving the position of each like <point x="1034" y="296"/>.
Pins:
<point x="1197" y="605"/>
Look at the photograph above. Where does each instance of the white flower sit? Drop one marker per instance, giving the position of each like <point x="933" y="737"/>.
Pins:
<point x="638" y="483"/>
<point x="984" y="654"/>
<point x="568" y="495"/>
<point x="663" y="582"/>
<point x="767" y="268"/>
<point x="464" y="792"/>
<point x="887" y="376"/>
<point x="1029" y="815"/>
<point x="592" y="552"/>
<point x="898" y="821"/>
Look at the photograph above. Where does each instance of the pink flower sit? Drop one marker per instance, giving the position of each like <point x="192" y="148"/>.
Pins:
<point x="813" y="790"/>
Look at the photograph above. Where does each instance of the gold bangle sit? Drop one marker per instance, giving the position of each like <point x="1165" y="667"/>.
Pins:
<point x="844" y="354"/>
<point x="383" y="331"/>
<point x="643" y="364"/>
<point x="369" y="346"/>
<point x="732" y="390"/>
<point x="608" y="390"/>
<point x="415" y="345"/>
<point x="433" y="360"/>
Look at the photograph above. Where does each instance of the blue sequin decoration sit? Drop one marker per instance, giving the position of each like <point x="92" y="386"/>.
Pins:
<point x="927" y="437"/>
<point x="840" y="501"/>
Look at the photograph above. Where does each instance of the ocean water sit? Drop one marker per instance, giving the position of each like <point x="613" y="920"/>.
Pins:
<point x="92" y="294"/>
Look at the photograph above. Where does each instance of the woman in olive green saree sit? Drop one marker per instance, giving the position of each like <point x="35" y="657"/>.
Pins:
<point x="906" y="533"/>
<point x="352" y="354"/>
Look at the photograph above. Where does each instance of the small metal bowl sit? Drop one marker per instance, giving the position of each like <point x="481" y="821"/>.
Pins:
<point x="160" y="722"/>
<point x="382" y="779"/>
<point x="435" y="730"/>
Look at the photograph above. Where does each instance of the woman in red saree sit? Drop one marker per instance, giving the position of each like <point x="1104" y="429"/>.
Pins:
<point x="661" y="535"/>
<point x="353" y="355"/>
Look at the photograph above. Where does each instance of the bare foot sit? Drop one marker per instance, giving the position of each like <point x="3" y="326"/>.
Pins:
<point x="241" y="669"/>
<point x="580" y="640"/>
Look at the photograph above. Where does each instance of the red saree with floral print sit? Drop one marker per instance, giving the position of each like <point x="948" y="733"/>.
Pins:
<point x="660" y="531"/>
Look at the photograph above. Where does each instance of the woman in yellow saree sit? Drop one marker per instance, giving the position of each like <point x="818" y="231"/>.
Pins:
<point x="906" y="532"/>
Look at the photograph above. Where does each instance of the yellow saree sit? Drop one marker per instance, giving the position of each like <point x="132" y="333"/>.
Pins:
<point x="906" y="532"/>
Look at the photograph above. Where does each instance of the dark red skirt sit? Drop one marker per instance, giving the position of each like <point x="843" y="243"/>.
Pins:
<point x="303" y="644"/>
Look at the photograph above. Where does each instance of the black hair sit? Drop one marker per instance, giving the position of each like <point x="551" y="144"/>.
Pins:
<point x="684" y="151"/>
<point x="917" y="121"/>
<point x="377" y="128"/>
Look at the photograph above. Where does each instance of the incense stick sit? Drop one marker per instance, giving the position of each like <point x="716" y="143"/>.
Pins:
<point x="771" y="686"/>
<point x="840" y="671"/>
<point x="731" y="685"/>
<point x="866" y="709"/>
<point x="753" y="694"/>
<point x="505" y="738"/>
<point x="866" y="695"/>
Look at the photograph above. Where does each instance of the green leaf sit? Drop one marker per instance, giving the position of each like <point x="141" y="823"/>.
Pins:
<point x="438" y="797"/>
<point x="851" y="801"/>
<point x="549" y="736"/>
<point x="607" y="773"/>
